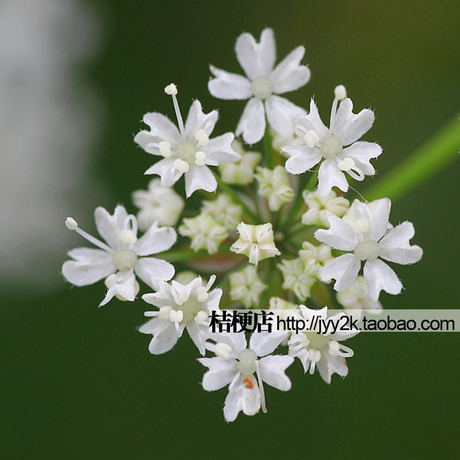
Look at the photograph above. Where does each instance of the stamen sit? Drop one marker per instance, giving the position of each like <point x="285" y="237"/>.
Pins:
<point x="201" y="317"/>
<point x="201" y="137"/>
<point x="172" y="91"/>
<point x="311" y="138"/>
<point x="261" y="387"/>
<point x="340" y="93"/>
<point x="164" y="312"/>
<point x="212" y="278"/>
<point x="334" y="348"/>
<point x="110" y="281"/>
<point x="362" y="226"/>
<point x="165" y="149"/>
<point x="181" y="166"/>
<point x="200" y="158"/>
<point x="72" y="224"/>
<point x="222" y="350"/>
<point x="356" y="173"/>
<point x="201" y="294"/>
<point x="176" y="316"/>
<point x="346" y="164"/>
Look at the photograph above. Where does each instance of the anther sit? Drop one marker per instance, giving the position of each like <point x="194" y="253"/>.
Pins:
<point x="362" y="226"/>
<point x="199" y="158"/>
<point x="346" y="164"/>
<point x="164" y="312"/>
<point x="311" y="138"/>
<point x="181" y="165"/>
<point x="334" y="348"/>
<point x="201" y="294"/>
<point x="128" y="237"/>
<point x="222" y="350"/>
<point x="176" y="316"/>
<point x="70" y="223"/>
<point x="165" y="149"/>
<point x="201" y="317"/>
<point x="340" y="92"/>
<point x="201" y="137"/>
<point x="171" y="89"/>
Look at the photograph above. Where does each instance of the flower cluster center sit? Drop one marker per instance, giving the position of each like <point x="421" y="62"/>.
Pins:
<point x="124" y="259"/>
<point x="332" y="146"/>
<point x="247" y="362"/>
<point x="367" y="250"/>
<point x="262" y="87"/>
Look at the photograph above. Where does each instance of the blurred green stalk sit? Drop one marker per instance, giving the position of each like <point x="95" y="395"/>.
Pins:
<point x="430" y="158"/>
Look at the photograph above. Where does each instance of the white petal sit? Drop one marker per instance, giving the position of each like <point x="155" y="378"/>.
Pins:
<point x="199" y="334"/>
<point x="228" y="85"/>
<point x="395" y="245"/>
<point x="340" y="234"/>
<point x="165" y="169"/>
<point x="221" y="372"/>
<point x="302" y="158"/>
<point x="149" y="267"/>
<point x="379" y="276"/>
<point x="331" y="365"/>
<point x="289" y="75"/>
<point x="219" y="149"/>
<point x="264" y="343"/>
<point x="350" y="127"/>
<point x="344" y="269"/>
<point x="379" y="215"/>
<point x="362" y="151"/>
<point x="161" y="127"/>
<point x="165" y="335"/>
<point x="329" y="176"/>
<point x="272" y="371"/>
<point x="313" y="121"/>
<point x="88" y="266"/>
<point x="109" y="226"/>
<point x="155" y="240"/>
<point x="127" y="289"/>
<point x="256" y="59"/>
<point x="197" y="119"/>
<point x="281" y="114"/>
<point x="199" y="178"/>
<point x="236" y="340"/>
<point x="252" y="122"/>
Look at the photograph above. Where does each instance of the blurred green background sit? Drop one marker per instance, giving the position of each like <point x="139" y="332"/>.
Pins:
<point x="78" y="382"/>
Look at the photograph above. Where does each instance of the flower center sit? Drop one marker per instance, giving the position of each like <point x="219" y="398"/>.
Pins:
<point x="316" y="340"/>
<point x="124" y="259"/>
<point x="190" y="309"/>
<point x="261" y="87"/>
<point x="332" y="145"/>
<point x="367" y="250"/>
<point x="186" y="151"/>
<point x="247" y="362"/>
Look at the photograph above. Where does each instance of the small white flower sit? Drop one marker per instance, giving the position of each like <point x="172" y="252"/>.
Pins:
<point x="274" y="185"/>
<point x="315" y="257"/>
<point x="298" y="277"/>
<point x="321" y="351"/>
<point x="256" y="242"/>
<point x="356" y="298"/>
<point x="204" y="232"/>
<point x="328" y="144"/>
<point x="240" y="172"/>
<point x="187" y="150"/>
<point x="246" y="286"/>
<point x="262" y="84"/>
<point x="241" y="369"/>
<point x="368" y="241"/>
<point x="158" y="203"/>
<point x="121" y="257"/>
<point x="319" y="209"/>
<point x="180" y="307"/>
<point x="224" y="211"/>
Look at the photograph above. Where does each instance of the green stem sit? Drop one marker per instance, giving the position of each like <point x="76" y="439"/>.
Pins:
<point x="431" y="157"/>
<point x="268" y="150"/>
<point x="229" y="191"/>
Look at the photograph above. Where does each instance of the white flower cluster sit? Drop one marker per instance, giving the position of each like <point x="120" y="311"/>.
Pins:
<point x="273" y="237"/>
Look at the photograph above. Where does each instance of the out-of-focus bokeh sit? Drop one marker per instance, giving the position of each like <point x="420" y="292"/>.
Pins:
<point x="76" y="78"/>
